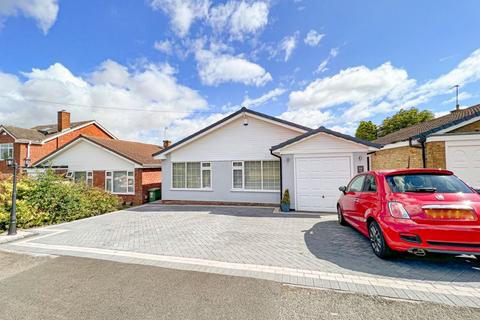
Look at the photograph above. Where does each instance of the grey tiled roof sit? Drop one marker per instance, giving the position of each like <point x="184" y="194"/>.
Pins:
<point x="429" y="127"/>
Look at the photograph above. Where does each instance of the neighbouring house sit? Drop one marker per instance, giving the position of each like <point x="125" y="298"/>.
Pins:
<point x="251" y="158"/>
<point x="448" y="142"/>
<point x="27" y="146"/>
<point x="124" y="168"/>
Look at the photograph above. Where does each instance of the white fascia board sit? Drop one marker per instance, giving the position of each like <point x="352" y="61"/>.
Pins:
<point x="454" y="137"/>
<point x="398" y="145"/>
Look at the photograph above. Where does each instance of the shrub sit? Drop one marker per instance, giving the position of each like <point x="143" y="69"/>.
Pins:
<point x="286" y="197"/>
<point x="49" y="198"/>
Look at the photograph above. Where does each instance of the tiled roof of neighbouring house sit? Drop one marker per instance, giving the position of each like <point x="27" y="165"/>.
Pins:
<point x="429" y="127"/>
<point x="41" y="132"/>
<point x="141" y="153"/>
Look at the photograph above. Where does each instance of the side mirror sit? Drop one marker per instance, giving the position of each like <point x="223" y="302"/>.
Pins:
<point x="343" y="189"/>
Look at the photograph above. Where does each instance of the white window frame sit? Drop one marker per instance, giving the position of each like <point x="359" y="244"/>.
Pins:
<point x="242" y="168"/>
<point x="130" y="177"/>
<point x="88" y="176"/>
<point x="9" y="147"/>
<point x="202" y="168"/>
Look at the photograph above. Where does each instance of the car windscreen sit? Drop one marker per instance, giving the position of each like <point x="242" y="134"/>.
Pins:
<point x="427" y="183"/>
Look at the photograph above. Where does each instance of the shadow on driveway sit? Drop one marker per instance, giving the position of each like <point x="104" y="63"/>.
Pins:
<point x="237" y="211"/>
<point x="350" y="250"/>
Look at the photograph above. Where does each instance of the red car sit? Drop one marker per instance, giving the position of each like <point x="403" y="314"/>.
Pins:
<point x="414" y="210"/>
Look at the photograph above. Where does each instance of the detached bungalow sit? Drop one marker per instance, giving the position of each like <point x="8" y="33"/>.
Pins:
<point x="124" y="168"/>
<point x="449" y="142"/>
<point x="250" y="158"/>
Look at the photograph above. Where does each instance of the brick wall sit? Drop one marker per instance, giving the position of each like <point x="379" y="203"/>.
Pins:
<point x="37" y="152"/>
<point x="397" y="158"/>
<point x="435" y="153"/>
<point x="472" y="127"/>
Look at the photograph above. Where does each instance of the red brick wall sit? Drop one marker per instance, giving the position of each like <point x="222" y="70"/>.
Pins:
<point x="145" y="179"/>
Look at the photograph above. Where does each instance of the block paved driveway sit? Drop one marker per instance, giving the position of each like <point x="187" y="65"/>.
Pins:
<point x="307" y="250"/>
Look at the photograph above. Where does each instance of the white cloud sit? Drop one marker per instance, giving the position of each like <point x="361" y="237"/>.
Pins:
<point x="288" y="44"/>
<point x="461" y="96"/>
<point x="308" y="118"/>
<point x="164" y="46"/>
<point x="313" y="38"/>
<point x="239" y="18"/>
<point x="182" y="13"/>
<point x="215" y="68"/>
<point x="271" y="95"/>
<point x="43" y="11"/>
<point x="322" y="67"/>
<point x="147" y="87"/>
<point x="353" y="86"/>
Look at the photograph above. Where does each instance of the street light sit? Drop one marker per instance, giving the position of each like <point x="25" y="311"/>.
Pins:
<point x="12" y="227"/>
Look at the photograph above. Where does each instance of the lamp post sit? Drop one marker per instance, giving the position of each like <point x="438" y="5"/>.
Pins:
<point x="12" y="227"/>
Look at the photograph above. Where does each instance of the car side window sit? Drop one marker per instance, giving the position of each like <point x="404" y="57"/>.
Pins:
<point x="356" y="184"/>
<point x="370" y="185"/>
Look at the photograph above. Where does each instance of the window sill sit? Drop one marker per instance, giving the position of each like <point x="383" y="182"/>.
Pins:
<point x="187" y="189"/>
<point x="261" y="191"/>
<point x="122" y="194"/>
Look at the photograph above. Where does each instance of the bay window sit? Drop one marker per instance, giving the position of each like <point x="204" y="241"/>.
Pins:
<point x="191" y="175"/>
<point x="256" y="175"/>
<point x="6" y="151"/>
<point x="121" y="182"/>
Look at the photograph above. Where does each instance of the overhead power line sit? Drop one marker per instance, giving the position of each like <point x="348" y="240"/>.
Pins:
<point x="136" y="108"/>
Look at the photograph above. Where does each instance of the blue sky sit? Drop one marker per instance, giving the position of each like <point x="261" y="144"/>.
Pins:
<point x="184" y="64"/>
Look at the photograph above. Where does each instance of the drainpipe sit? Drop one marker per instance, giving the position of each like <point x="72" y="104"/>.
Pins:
<point x="422" y="146"/>
<point x="281" y="173"/>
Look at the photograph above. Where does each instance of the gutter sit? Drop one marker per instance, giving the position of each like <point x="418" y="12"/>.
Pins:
<point x="281" y="174"/>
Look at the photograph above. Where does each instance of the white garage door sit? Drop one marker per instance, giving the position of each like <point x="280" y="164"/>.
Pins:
<point x="464" y="161"/>
<point x="317" y="182"/>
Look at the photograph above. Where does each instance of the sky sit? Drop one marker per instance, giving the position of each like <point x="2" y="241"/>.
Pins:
<point x="154" y="69"/>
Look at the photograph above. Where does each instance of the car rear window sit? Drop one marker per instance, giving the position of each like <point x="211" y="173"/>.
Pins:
<point x="427" y="183"/>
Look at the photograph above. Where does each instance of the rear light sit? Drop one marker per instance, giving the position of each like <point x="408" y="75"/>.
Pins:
<point x="397" y="210"/>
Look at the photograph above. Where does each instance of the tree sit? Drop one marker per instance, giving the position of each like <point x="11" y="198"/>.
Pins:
<point x="403" y="119"/>
<point x="367" y="130"/>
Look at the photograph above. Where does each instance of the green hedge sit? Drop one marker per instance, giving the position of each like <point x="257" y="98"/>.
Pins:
<point x="49" y="198"/>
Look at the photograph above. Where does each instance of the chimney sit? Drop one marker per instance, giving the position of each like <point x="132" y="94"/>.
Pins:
<point x="63" y="120"/>
<point x="166" y="143"/>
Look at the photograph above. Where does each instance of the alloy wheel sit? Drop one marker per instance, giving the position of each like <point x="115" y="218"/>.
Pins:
<point x="375" y="238"/>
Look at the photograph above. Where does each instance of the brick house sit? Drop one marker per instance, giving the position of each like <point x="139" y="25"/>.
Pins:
<point x="28" y="145"/>
<point x="123" y="168"/>
<point x="448" y="142"/>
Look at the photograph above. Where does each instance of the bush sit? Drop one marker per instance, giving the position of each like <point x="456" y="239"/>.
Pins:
<point x="286" y="197"/>
<point x="49" y="198"/>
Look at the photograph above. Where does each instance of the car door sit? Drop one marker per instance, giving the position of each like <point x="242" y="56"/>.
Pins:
<point x="368" y="200"/>
<point x="350" y="199"/>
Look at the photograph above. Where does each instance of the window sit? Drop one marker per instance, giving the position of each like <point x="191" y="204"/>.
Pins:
<point x="357" y="184"/>
<point x="6" y="151"/>
<point x="81" y="177"/>
<point x="121" y="182"/>
<point x="427" y="183"/>
<point x="256" y="175"/>
<point x="191" y="175"/>
<point x="370" y="185"/>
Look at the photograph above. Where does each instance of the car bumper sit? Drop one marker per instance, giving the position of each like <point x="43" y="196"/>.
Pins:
<point x="407" y="235"/>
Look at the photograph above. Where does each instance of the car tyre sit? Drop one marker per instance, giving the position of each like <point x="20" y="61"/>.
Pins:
<point x="377" y="241"/>
<point x="341" y="219"/>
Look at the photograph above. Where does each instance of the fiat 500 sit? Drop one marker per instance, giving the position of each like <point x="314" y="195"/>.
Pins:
<point x="413" y="210"/>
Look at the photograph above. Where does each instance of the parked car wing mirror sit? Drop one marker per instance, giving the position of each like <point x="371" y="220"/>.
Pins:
<point x="343" y="189"/>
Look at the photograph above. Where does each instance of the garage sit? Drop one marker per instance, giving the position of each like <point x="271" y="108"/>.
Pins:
<point x="318" y="179"/>
<point x="463" y="158"/>
<point x="316" y="163"/>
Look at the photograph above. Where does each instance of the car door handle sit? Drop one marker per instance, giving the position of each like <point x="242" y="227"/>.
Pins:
<point x="356" y="200"/>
